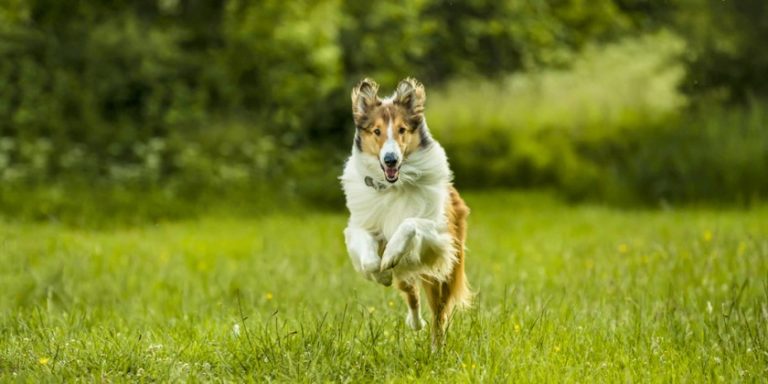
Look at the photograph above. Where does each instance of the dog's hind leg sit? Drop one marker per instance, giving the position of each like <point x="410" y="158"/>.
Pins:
<point x="363" y="251"/>
<point x="411" y="295"/>
<point x="439" y="299"/>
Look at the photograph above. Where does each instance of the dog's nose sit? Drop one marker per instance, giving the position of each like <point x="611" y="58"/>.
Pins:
<point x="390" y="159"/>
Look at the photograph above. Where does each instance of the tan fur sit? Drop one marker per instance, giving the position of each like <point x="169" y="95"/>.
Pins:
<point x="410" y="294"/>
<point x="443" y="297"/>
<point x="408" y="140"/>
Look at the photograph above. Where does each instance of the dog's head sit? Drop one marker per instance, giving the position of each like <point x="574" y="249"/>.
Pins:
<point x="390" y="128"/>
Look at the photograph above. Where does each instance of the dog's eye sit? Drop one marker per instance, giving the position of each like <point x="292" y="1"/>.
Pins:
<point x="377" y="131"/>
<point x="402" y="130"/>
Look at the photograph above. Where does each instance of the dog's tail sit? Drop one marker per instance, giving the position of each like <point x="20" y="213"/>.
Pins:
<point x="460" y="291"/>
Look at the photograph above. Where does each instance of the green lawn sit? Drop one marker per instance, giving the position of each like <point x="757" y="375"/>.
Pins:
<point x="564" y="293"/>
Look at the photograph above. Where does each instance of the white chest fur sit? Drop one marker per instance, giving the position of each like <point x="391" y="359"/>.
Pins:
<point x="421" y="191"/>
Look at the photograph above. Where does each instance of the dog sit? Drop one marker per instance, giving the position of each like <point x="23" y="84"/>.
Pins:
<point x="407" y="222"/>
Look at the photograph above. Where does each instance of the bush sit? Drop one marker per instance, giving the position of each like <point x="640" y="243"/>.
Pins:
<point x="613" y="127"/>
<point x="525" y="130"/>
<point x="712" y="154"/>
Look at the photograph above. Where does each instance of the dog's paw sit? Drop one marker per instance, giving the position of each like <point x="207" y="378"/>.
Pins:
<point x="398" y="246"/>
<point x="391" y="258"/>
<point x="384" y="278"/>
<point x="415" y="322"/>
<point x="371" y="264"/>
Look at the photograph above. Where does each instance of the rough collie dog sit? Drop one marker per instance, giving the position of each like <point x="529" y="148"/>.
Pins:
<point x="407" y="222"/>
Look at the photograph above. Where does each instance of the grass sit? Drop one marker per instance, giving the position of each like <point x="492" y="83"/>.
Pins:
<point x="564" y="293"/>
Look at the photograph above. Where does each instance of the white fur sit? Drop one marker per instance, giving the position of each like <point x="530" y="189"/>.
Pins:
<point x="407" y="215"/>
<point x="390" y="146"/>
<point x="414" y="319"/>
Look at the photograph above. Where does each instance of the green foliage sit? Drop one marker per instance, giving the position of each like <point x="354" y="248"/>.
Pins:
<point x="181" y="96"/>
<point x="608" y="88"/>
<point x="213" y="170"/>
<point x="614" y="126"/>
<point x="437" y="40"/>
<point x="108" y="76"/>
<point x="529" y="129"/>
<point x="285" y="61"/>
<point x="564" y="293"/>
<point x="140" y="73"/>
<point x="728" y="57"/>
<point x="702" y="156"/>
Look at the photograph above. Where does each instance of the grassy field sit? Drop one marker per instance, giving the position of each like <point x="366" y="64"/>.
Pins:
<point x="564" y="293"/>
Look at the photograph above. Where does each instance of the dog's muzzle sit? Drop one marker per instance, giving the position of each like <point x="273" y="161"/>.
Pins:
<point x="390" y="167"/>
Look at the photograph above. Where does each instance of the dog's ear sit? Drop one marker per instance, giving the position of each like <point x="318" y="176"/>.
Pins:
<point x="410" y="94"/>
<point x="364" y="98"/>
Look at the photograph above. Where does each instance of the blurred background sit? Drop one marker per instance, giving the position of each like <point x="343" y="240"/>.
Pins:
<point x="156" y="109"/>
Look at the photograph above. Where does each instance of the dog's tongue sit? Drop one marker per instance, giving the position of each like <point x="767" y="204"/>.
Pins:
<point x="391" y="172"/>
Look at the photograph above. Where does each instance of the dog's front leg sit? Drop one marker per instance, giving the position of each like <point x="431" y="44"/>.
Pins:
<point x="410" y="240"/>
<point x="363" y="250"/>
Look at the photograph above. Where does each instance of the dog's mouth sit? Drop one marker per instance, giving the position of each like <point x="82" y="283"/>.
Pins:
<point x="391" y="173"/>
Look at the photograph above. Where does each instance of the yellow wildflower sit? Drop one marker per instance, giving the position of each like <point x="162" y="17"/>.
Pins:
<point x="623" y="248"/>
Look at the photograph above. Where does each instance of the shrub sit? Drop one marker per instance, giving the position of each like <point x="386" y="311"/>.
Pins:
<point x="614" y="126"/>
